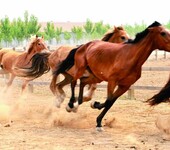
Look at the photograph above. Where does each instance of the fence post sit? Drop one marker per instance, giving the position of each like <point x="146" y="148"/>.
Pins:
<point x="30" y="88"/>
<point x="164" y="55"/>
<point x="131" y="93"/>
<point x="156" y="54"/>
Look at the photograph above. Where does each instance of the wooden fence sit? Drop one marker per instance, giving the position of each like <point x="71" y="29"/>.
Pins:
<point x="130" y="91"/>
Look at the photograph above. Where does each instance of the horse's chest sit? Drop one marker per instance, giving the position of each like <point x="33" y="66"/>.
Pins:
<point x="130" y="78"/>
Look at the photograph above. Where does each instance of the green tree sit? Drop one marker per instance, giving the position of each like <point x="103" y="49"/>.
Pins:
<point x="18" y="30"/>
<point x="67" y="35"/>
<point x="89" y="28"/>
<point x="77" y="33"/>
<point x="33" y="26"/>
<point x="49" y="31"/>
<point x="58" y="33"/>
<point x="100" y="29"/>
<point x="5" y="27"/>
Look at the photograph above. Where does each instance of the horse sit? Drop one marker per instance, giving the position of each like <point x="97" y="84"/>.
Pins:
<point x="162" y="96"/>
<point x="117" y="35"/>
<point x="11" y="60"/>
<point x="120" y="65"/>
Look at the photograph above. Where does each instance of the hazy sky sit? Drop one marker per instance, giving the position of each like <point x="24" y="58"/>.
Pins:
<point x="114" y="12"/>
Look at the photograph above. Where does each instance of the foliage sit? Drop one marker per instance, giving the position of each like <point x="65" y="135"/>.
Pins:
<point x="49" y="31"/>
<point x="67" y="35"/>
<point x="20" y="30"/>
<point x="58" y="33"/>
<point x="5" y="27"/>
<point x="77" y="33"/>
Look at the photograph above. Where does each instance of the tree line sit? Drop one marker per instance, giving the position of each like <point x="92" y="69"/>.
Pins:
<point x="18" y="30"/>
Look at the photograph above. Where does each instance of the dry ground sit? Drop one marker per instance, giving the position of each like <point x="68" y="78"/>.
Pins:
<point x="37" y="124"/>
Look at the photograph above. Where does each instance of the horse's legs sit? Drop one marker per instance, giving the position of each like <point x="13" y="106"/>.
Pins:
<point x="60" y="94"/>
<point x="72" y="99"/>
<point x="24" y="84"/>
<point x="83" y="82"/>
<point x="4" y="73"/>
<point x="87" y="96"/>
<point x="74" y="106"/>
<point x="112" y="97"/>
<point x="53" y="84"/>
<point x="9" y="83"/>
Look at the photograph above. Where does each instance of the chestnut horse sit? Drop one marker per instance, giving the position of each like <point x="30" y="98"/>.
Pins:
<point x="118" y="64"/>
<point x="118" y="35"/>
<point x="11" y="60"/>
<point x="162" y="96"/>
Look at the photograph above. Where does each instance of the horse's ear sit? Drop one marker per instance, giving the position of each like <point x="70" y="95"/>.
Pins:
<point x="42" y="37"/>
<point x="116" y="29"/>
<point x="36" y="36"/>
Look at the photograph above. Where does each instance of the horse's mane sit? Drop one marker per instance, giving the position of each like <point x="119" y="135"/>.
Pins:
<point x="108" y="35"/>
<point x="31" y="45"/>
<point x="142" y="34"/>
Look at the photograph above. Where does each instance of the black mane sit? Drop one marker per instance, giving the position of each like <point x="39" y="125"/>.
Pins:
<point x="142" y="34"/>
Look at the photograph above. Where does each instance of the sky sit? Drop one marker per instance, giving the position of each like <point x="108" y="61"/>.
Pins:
<point x="113" y="12"/>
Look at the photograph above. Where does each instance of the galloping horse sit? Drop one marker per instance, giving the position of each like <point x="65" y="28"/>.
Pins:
<point x="11" y="60"/>
<point x="118" y="35"/>
<point x="118" y="64"/>
<point x="162" y="96"/>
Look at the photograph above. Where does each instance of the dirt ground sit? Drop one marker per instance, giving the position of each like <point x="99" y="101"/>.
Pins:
<point x="37" y="124"/>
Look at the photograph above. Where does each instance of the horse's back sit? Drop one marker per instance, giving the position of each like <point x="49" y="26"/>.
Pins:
<point x="59" y="55"/>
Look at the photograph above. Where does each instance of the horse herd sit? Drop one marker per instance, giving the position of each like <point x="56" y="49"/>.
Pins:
<point x="116" y="59"/>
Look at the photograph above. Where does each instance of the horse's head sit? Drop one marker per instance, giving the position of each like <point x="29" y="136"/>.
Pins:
<point x="37" y="45"/>
<point x="118" y="35"/>
<point x="161" y="36"/>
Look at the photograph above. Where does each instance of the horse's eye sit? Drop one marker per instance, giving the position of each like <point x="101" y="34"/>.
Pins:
<point x="39" y="43"/>
<point x="163" y="33"/>
<point x="123" y="38"/>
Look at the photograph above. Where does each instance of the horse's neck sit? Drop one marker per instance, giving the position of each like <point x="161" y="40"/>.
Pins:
<point x="112" y="40"/>
<point x="29" y="53"/>
<point x="141" y="51"/>
<point x="27" y="56"/>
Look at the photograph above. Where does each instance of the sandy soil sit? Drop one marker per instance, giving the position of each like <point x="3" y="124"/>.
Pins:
<point x="37" y="124"/>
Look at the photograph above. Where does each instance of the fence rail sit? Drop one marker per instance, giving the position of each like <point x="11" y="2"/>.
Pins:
<point x="130" y="91"/>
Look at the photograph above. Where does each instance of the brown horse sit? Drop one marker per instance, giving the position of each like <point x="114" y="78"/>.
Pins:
<point x="118" y="64"/>
<point x="117" y="35"/>
<point x="162" y="96"/>
<point x="11" y="60"/>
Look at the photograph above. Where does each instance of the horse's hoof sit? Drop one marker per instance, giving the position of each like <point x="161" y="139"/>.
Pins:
<point x="99" y="129"/>
<point x="92" y="104"/>
<point x="57" y="104"/>
<point x="68" y="108"/>
<point x="75" y="110"/>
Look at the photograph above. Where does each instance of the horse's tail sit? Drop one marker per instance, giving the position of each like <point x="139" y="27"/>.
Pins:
<point x="162" y="96"/>
<point x="67" y="63"/>
<point x="39" y="65"/>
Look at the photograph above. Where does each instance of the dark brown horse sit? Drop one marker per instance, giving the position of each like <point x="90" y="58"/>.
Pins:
<point x="162" y="96"/>
<point x="117" y="35"/>
<point x="118" y="64"/>
<point x="11" y="60"/>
